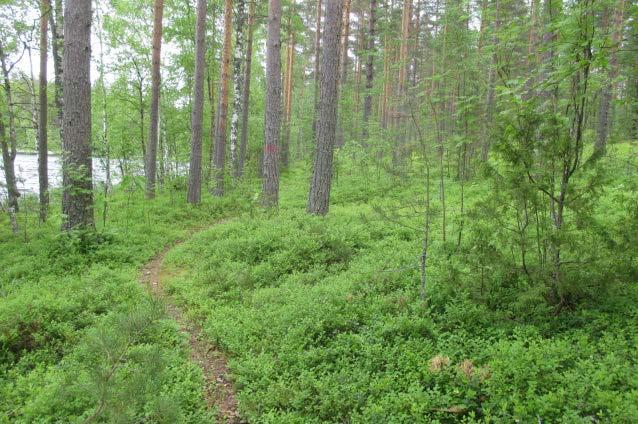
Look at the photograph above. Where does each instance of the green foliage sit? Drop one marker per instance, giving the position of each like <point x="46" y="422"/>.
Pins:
<point x="79" y="336"/>
<point x="323" y="322"/>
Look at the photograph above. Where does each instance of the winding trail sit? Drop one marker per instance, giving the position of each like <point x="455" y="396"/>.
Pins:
<point x="218" y="389"/>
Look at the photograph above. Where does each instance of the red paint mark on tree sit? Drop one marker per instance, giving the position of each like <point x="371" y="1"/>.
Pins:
<point x="270" y="148"/>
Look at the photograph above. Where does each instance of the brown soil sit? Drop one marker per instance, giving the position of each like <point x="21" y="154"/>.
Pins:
<point x="218" y="388"/>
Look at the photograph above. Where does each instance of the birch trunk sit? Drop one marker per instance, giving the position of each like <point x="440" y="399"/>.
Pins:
<point x="238" y="80"/>
<point x="246" y="90"/>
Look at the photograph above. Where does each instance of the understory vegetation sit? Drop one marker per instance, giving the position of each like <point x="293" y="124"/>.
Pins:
<point x="318" y="211"/>
<point x="323" y="320"/>
<point x="80" y="339"/>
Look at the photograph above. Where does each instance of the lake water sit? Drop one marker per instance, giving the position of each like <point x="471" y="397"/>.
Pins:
<point x="26" y="166"/>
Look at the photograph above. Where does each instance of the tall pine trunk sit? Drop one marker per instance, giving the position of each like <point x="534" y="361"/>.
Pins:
<point x="317" y="69"/>
<point x="608" y="94"/>
<point x="195" y="174"/>
<point x="345" y="35"/>
<point x="288" y="86"/>
<point x="151" y="151"/>
<point x="270" y="184"/>
<point x="491" y="87"/>
<point x="343" y="64"/>
<point x="319" y="198"/>
<point x="77" y="170"/>
<point x="401" y="98"/>
<point x="210" y="78"/>
<point x="43" y="142"/>
<point x="367" y="106"/>
<point x="219" y="157"/>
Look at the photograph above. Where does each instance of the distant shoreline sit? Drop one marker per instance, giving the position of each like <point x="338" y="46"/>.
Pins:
<point x="35" y="153"/>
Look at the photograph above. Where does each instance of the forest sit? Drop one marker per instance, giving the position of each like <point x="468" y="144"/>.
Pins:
<point x="319" y="211"/>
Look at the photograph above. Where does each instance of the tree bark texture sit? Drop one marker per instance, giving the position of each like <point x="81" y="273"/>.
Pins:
<point x="56" y="22"/>
<point x="608" y="94"/>
<point x="270" y="183"/>
<point x="319" y="198"/>
<point x="151" y="151"/>
<point x="243" y="144"/>
<point x="43" y="142"/>
<point x="288" y="87"/>
<point x="238" y="80"/>
<point x="317" y="70"/>
<point x="195" y="174"/>
<point x="219" y="158"/>
<point x="77" y="171"/>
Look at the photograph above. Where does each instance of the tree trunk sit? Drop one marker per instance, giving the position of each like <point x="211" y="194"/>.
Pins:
<point x="345" y="30"/>
<point x="43" y="171"/>
<point x="532" y="50"/>
<point x="491" y="88"/>
<point x="388" y="56"/>
<point x="211" y="92"/>
<point x="401" y="97"/>
<point x="288" y="86"/>
<point x="56" y="21"/>
<point x="246" y="90"/>
<point x="151" y="151"/>
<point x="77" y="198"/>
<point x="270" y="187"/>
<point x="106" y="160"/>
<point x="416" y="36"/>
<point x="607" y="97"/>
<point x="9" y="148"/>
<point x="317" y="69"/>
<point x="195" y="174"/>
<point x="343" y="62"/>
<point x="358" y="70"/>
<point x="367" y="107"/>
<point x="139" y="85"/>
<point x="319" y="198"/>
<point x="551" y="12"/>
<point x="222" y="111"/>
<point x="8" y="159"/>
<point x="238" y="79"/>
<point x="483" y="25"/>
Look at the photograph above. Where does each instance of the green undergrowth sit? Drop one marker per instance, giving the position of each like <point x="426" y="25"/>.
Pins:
<point x="80" y="340"/>
<point x="323" y="321"/>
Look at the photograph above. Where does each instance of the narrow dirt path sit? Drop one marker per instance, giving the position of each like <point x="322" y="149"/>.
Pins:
<point x="218" y="389"/>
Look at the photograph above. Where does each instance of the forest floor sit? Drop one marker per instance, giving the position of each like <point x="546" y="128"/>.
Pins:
<point x="218" y="389"/>
<point x="313" y="319"/>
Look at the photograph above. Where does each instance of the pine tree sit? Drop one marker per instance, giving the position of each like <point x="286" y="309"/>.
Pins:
<point x="43" y="141"/>
<point x="319" y="198"/>
<point x="270" y="185"/>
<point x="151" y="151"/>
<point x="195" y="175"/>
<point x="77" y="170"/>
<point x="219" y="157"/>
